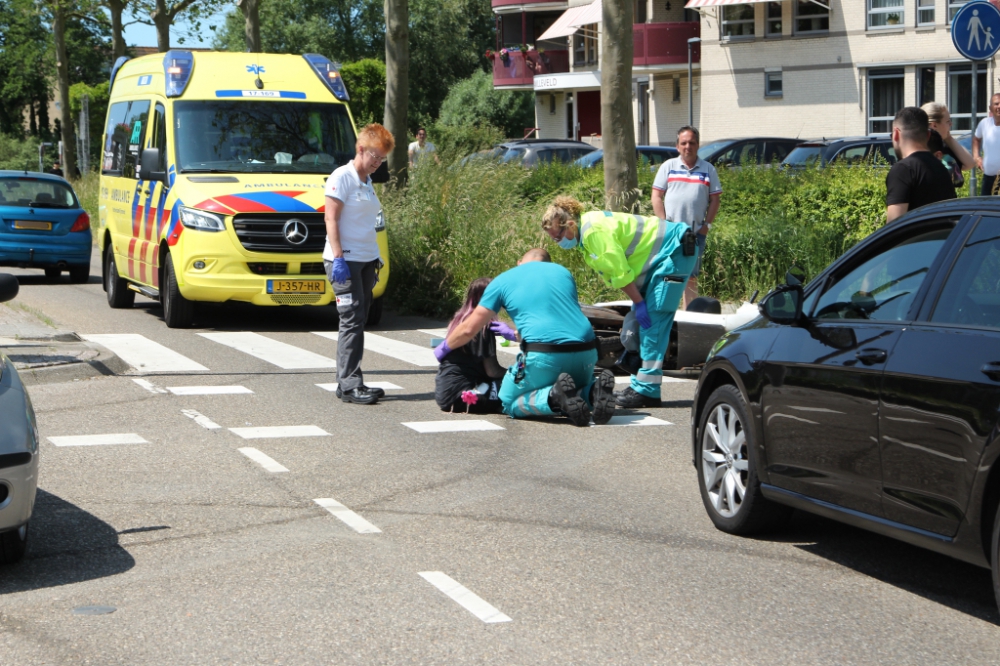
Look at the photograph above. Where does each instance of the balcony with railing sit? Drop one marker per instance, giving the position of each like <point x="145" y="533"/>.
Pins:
<point x="520" y="68"/>
<point x="664" y="43"/>
<point x="546" y="4"/>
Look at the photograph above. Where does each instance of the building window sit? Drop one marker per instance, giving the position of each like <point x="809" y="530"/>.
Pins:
<point x="925" y="85"/>
<point x="737" y="21"/>
<point x="772" y="84"/>
<point x="885" y="13"/>
<point x="579" y="49"/>
<point x="677" y="88"/>
<point x="773" y="19"/>
<point x="811" y="17"/>
<point x="960" y="95"/>
<point x="953" y="7"/>
<point x="925" y="12"/>
<point x="885" y="98"/>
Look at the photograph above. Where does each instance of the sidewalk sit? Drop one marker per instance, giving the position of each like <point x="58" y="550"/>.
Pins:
<point x="43" y="354"/>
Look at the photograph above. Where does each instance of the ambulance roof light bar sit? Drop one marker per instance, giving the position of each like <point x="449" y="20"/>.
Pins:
<point x="329" y="73"/>
<point x="177" y="68"/>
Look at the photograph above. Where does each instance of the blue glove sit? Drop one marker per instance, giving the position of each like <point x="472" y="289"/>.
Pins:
<point x="340" y="273"/>
<point x="503" y="330"/>
<point x="642" y="315"/>
<point x="441" y="351"/>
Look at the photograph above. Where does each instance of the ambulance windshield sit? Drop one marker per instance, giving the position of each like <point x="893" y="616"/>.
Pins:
<point x="251" y="136"/>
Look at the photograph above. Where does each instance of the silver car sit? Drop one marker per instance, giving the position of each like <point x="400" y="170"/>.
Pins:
<point x="18" y="451"/>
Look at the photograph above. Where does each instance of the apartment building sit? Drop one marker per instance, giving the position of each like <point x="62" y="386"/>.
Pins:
<point x="807" y="68"/>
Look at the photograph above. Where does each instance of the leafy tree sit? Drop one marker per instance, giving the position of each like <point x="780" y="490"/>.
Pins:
<point x="397" y="82"/>
<point x="97" y="106"/>
<point x="620" y="177"/>
<point x="163" y="13"/>
<point x="25" y="57"/>
<point x="365" y="80"/>
<point x="474" y="101"/>
<point x="251" y="28"/>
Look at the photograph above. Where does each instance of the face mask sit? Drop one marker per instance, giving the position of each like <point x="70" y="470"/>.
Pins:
<point x="569" y="243"/>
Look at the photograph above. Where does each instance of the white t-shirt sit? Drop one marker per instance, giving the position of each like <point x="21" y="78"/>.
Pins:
<point x="357" y="219"/>
<point x="416" y="152"/>
<point x="989" y="136"/>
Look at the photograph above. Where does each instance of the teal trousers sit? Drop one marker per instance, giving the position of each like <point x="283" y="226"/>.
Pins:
<point x="530" y="396"/>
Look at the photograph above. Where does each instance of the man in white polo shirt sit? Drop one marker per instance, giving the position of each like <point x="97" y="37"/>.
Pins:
<point x="686" y="189"/>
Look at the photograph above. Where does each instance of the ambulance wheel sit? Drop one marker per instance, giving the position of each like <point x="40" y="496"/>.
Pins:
<point x="374" y="312"/>
<point x="177" y="310"/>
<point x="119" y="295"/>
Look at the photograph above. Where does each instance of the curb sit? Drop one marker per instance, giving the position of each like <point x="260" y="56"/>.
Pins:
<point x="73" y="360"/>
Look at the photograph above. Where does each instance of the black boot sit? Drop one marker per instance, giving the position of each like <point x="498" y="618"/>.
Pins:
<point x="360" y="395"/>
<point x="631" y="399"/>
<point x="377" y="392"/>
<point x="563" y="399"/>
<point x="602" y="397"/>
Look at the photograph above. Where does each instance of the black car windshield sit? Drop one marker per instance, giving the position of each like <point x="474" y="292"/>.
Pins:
<point x="28" y="192"/>
<point x="710" y="149"/>
<point x="804" y="155"/>
<point x="251" y="136"/>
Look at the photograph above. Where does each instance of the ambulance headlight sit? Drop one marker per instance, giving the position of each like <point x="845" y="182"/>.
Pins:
<point x="200" y="220"/>
<point x="379" y="221"/>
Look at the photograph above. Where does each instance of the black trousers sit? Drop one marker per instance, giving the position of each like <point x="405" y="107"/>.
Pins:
<point x="354" y="298"/>
<point x="987" y="187"/>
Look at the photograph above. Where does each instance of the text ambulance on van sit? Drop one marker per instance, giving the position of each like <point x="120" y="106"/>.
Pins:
<point x="212" y="180"/>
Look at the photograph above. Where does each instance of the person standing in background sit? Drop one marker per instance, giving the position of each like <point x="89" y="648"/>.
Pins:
<point x="352" y="257"/>
<point x="987" y="140"/>
<point x="918" y="178"/>
<point x="421" y="148"/>
<point x="686" y="189"/>
<point x="960" y="159"/>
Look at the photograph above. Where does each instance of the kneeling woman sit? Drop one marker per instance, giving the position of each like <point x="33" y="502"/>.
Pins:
<point x="468" y="379"/>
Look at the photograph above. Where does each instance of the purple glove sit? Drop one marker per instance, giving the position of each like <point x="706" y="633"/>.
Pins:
<point x="503" y="330"/>
<point x="642" y="315"/>
<point x="441" y="351"/>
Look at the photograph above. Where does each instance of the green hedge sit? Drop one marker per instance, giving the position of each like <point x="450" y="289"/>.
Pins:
<point x="456" y="223"/>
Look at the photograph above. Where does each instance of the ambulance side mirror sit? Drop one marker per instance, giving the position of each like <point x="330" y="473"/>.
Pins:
<point x="149" y="166"/>
<point x="381" y="174"/>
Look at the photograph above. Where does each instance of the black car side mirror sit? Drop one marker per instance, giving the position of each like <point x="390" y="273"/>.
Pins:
<point x="9" y="287"/>
<point x="783" y="305"/>
<point x="149" y="164"/>
<point x="795" y="276"/>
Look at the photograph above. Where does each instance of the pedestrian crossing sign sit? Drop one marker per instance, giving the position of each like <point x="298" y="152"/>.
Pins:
<point x="975" y="30"/>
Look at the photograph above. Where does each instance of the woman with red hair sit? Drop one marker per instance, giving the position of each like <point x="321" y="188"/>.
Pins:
<point x="351" y="255"/>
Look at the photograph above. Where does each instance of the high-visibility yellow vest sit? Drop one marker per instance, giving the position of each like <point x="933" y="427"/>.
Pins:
<point x="625" y="248"/>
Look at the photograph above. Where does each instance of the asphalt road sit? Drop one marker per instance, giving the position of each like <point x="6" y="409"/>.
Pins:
<point x="593" y="543"/>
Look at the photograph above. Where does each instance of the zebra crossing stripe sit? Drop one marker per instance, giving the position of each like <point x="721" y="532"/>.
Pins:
<point x="402" y="351"/>
<point x="143" y="354"/>
<point x="275" y="352"/>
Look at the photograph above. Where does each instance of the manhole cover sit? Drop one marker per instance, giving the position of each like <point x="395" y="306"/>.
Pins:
<point x="94" y="610"/>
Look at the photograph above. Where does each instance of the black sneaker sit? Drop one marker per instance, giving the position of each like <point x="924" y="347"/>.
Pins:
<point x="563" y="398"/>
<point x="602" y="397"/>
<point x="377" y="392"/>
<point x="631" y="399"/>
<point x="360" y="396"/>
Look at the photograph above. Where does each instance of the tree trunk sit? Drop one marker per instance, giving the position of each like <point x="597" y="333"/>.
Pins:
<point x="116" y="8"/>
<point x="617" y="125"/>
<point x="397" y="83"/>
<point x="251" y="14"/>
<point x="162" y="19"/>
<point x="62" y="74"/>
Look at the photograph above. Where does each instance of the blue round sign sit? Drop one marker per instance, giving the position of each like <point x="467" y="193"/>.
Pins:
<point x="975" y="30"/>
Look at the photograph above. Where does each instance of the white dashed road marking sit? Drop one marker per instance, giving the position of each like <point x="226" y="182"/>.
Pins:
<point x="275" y="432"/>
<point x="264" y="460"/>
<point x="666" y="380"/>
<point x="98" y="440"/>
<point x="385" y="386"/>
<point x="201" y="419"/>
<point x="451" y="426"/>
<point x="149" y="386"/>
<point x="402" y="351"/>
<point x="464" y="597"/>
<point x="348" y="517"/>
<point x="207" y="390"/>
<point x="635" y="420"/>
<point x="511" y="348"/>
<point x="143" y="354"/>
<point x="275" y="352"/>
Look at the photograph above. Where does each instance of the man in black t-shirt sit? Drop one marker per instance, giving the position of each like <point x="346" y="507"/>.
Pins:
<point x="918" y="178"/>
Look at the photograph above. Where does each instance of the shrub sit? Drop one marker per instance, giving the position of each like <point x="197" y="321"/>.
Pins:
<point x="474" y="101"/>
<point x="20" y="154"/>
<point x="365" y="81"/>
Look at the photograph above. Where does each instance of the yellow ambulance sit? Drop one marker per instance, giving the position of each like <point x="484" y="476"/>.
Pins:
<point x="212" y="180"/>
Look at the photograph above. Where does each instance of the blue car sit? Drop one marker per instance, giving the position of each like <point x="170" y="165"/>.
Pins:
<point x="43" y="225"/>
<point x="654" y="156"/>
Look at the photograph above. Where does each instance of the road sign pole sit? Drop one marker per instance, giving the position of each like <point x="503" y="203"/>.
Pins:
<point x="972" y="172"/>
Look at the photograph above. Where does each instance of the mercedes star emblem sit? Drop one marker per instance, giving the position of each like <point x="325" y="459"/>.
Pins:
<point x="296" y="232"/>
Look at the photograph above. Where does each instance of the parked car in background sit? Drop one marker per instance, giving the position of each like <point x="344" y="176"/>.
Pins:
<point x="531" y="152"/>
<point x="874" y="149"/>
<point x="754" y="150"/>
<point x="18" y="451"/>
<point x="869" y="396"/>
<point x="651" y="156"/>
<point x="43" y="225"/>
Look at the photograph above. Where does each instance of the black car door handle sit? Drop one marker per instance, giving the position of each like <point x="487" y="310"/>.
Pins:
<point x="872" y="356"/>
<point x="992" y="370"/>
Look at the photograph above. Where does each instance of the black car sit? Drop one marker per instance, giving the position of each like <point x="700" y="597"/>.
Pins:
<point x="876" y="149"/>
<point x="755" y="150"/>
<point x="651" y="156"/>
<point x="870" y="396"/>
